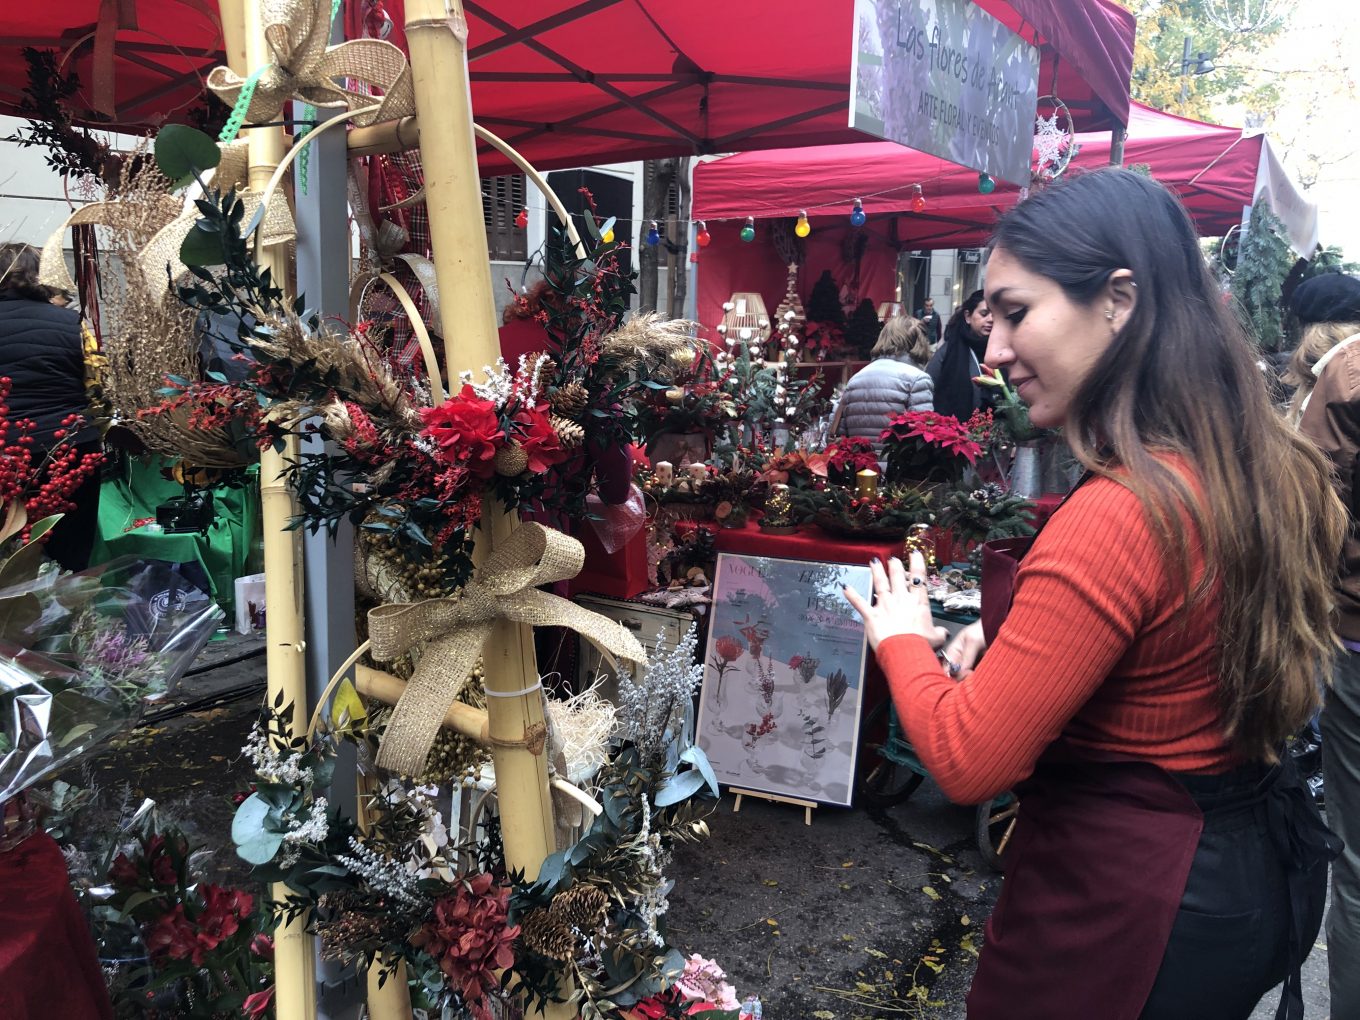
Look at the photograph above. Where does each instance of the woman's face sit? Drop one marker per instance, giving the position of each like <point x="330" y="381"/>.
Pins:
<point x="1046" y="342"/>
<point x="980" y="319"/>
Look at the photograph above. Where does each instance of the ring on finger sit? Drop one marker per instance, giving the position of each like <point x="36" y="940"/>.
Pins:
<point x="950" y="666"/>
<point x="916" y="582"/>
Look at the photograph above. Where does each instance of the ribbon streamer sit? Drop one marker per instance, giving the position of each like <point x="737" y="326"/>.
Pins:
<point x="454" y="631"/>
<point x="305" y="67"/>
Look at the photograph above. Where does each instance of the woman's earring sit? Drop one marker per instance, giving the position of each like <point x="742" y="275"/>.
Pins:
<point x="1109" y="314"/>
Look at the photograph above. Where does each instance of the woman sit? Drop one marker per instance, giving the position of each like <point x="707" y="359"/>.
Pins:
<point x="1328" y="309"/>
<point x="960" y="357"/>
<point x="43" y="353"/>
<point x="895" y="381"/>
<point x="1163" y="639"/>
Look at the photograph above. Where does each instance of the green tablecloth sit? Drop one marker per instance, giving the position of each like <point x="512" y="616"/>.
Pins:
<point x="128" y="503"/>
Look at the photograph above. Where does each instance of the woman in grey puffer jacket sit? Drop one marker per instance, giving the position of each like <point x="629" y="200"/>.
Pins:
<point x="895" y="381"/>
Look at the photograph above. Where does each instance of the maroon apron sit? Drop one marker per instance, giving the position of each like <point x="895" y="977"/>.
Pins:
<point x="1095" y="871"/>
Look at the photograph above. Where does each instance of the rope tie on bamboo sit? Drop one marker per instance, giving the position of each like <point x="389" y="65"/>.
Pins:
<point x="454" y="630"/>
<point x="305" y="67"/>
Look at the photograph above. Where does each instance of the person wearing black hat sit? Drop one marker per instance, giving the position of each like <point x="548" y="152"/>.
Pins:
<point x="1329" y="308"/>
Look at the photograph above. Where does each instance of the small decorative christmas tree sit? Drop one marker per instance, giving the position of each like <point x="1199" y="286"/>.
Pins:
<point x="824" y="303"/>
<point x="791" y="303"/>
<point x="861" y="332"/>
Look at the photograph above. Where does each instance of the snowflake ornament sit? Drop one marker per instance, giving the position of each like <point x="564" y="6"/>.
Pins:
<point x="1055" y="143"/>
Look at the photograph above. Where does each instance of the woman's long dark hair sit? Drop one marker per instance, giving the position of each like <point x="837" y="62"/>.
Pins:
<point x="955" y="391"/>
<point x="959" y="320"/>
<point x="1180" y="378"/>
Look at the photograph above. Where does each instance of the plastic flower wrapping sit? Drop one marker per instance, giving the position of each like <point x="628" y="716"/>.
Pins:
<point x="83" y="655"/>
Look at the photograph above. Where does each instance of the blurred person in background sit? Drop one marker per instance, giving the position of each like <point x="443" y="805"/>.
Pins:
<point x="42" y="352"/>
<point x="1329" y="306"/>
<point x="960" y="358"/>
<point x="894" y="382"/>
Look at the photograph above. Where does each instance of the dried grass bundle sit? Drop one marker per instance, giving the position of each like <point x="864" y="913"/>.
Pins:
<point x="646" y="343"/>
<point x="350" y="367"/>
<point x="147" y="333"/>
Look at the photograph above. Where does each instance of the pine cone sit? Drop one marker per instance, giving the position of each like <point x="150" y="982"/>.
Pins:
<point x="569" y="434"/>
<point x="547" y="935"/>
<point x="571" y="400"/>
<point x="581" y="906"/>
<point x="511" y="460"/>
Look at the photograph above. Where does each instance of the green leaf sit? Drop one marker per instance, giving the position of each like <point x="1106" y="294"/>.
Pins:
<point x="679" y="787"/>
<point x="249" y="819"/>
<point x="261" y="849"/>
<point x="694" y="754"/>
<point x="181" y="151"/>
<point x="201" y="247"/>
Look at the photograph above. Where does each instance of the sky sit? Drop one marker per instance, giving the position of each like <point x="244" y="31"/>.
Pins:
<point x="1316" y="127"/>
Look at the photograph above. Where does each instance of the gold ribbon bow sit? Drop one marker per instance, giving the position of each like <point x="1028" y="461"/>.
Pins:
<point x="305" y="66"/>
<point x="454" y="631"/>
<point x="162" y="250"/>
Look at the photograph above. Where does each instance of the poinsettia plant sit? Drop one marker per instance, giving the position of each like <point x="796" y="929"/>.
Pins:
<point x="849" y="455"/>
<point x="928" y="446"/>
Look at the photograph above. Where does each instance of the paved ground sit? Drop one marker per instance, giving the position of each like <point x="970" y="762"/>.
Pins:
<point x="872" y="915"/>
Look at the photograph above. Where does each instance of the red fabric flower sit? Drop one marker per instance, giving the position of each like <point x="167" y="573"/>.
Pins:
<point x="257" y="1005"/>
<point x="262" y="945"/>
<point x="172" y="936"/>
<point x="538" y="439"/>
<point x="122" y="872"/>
<point x="161" y="864"/>
<point x="470" y="939"/>
<point x="224" y="909"/>
<point x="467" y="431"/>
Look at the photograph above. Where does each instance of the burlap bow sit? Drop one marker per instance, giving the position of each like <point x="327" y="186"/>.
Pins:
<point x="305" y="66"/>
<point x="162" y="250"/>
<point x="454" y="631"/>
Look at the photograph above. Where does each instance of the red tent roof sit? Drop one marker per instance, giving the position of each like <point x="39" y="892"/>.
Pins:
<point x="1212" y="168"/>
<point x="575" y="82"/>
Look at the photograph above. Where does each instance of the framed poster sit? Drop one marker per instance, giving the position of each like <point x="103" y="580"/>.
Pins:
<point x="784" y="677"/>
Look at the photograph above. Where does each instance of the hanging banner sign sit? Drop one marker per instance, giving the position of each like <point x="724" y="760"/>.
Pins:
<point x="945" y="77"/>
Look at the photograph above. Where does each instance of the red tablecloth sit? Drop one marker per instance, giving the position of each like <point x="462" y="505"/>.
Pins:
<point x="808" y="543"/>
<point x="48" y="966"/>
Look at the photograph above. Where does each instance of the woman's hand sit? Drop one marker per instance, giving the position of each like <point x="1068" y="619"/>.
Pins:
<point x="902" y="605"/>
<point x="964" y="649"/>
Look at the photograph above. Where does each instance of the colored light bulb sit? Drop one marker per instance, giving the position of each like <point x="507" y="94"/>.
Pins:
<point x="608" y="236"/>
<point x="802" y="228"/>
<point x="522" y="219"/>
<point x="653" y="235"/>
<point x="702" y="238"/>
<point x="986" y="183"/>
<point x="918" y="203"/>
<point x="748" y="232"/>
<point x="857" y="217"/>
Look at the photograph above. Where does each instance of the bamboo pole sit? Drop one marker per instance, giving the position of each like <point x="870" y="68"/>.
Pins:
<point x="374" y="683"/>
<point x="294" y="954"/>
<point x="437" y="39"/>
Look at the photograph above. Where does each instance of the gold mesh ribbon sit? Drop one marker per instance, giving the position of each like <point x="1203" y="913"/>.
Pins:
<point x="305" y="66"/>
<point x="162" y="250"/>
<point x="453" y="632"/>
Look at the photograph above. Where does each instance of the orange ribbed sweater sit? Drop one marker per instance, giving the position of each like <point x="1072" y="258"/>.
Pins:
<point x="1096" y="649"/>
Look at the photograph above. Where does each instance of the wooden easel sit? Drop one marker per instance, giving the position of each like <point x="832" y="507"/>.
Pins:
<point x="773" y="798"/>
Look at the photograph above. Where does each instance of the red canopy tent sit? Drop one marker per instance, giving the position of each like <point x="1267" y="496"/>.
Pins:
<point x="1215" y="170"/>
<point x="576" y="82"/>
